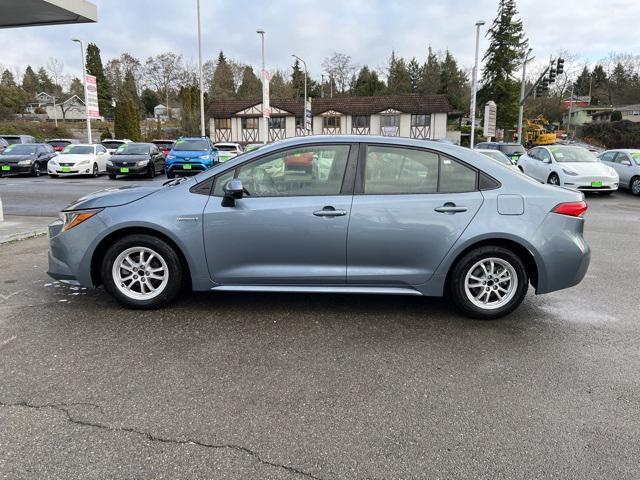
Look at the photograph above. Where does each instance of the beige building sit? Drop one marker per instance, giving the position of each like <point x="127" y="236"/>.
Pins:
<point x="628" y="112"/>
<point x="412" y="116"/>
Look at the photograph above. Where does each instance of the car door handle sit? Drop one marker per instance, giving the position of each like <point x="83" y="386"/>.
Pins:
<point x="330" y="212"/>
<point x="450" y="208"/>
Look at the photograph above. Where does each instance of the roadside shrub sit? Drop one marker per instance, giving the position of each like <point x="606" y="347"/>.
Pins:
<point x="622" y="134"/>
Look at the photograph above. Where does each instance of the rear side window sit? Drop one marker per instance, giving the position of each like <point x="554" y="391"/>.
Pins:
<point x="393" y="170"/>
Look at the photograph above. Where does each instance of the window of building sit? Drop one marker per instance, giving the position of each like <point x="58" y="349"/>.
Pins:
<point x="223" y="123"/>
<point x="420" y="120"/>
<point x="390" y="120"/>
<point x="393" y="170"/>
<point x="317" y="170"/>
<point x="332" y="121"/>
<point x="250" y="123"/>
<point x="361" y="121"/>
<point x="277" y="123"/>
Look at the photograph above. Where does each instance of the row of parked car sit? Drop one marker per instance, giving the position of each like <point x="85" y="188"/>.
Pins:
<point x="572" y="166"/>
<point x="20" y="154"/>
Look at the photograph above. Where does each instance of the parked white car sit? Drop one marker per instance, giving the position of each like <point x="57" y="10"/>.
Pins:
<point x="112" y="145"/>
<point x="500" y="157"/>
<point x="227" y="150"/>
<point x="79" y="159"/>
<point x="569" y="166"/>
<point x="627" y="164"/>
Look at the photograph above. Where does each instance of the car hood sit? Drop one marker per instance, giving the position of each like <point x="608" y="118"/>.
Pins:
<point x="112" y="197"/>
<point x="129" y="158"/>
<point x="72" y="157"/>
<point x="15" y="158"/>
<point x="587" y="168"/>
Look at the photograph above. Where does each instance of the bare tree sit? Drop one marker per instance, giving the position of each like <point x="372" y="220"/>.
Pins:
<point x="341" y="68"/>
<point x="55" y="67"/>
<point x="164" y="72"/>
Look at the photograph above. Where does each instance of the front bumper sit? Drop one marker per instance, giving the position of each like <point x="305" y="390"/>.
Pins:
<point x="70" y="170"/>
<point x="130" y="170"/>
<point x="591" y="184"/>
<point x="187" y="168"/>
<point x="14" y="169"/>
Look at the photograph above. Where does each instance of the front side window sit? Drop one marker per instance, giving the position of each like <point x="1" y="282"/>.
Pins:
<point x="393" y="170"/>
<point x="636" y="157"/>
<point x="250" y="123"/>
<point x="420" y="120"/>
<point x="360" y="121"/>
<point x="314" y="170"/>
<point x="543" y="155"/>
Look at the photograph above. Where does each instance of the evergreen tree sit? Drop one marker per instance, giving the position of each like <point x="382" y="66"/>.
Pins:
<point x="76" y="88"/>
<point x="399" y="81"/>
<point x="222" y="84"/>
<point x="126" y="120"/>
<point x="129" y="87"/>
<point x="45" y="84"/>
<point x="8" y="80"/>
<point x="368" y="84"/>
<point x="149" y="100"/>
<point x="429" y="82"/>
<point x="95" y="68"/>
<point x="297" y="80"/>
<point x="503" y="57"/>
<point x="415" y="73"/>
<point x="250" y="88"/>
<point x="600" y="92"/>
<point x="279" y="87"/>
<point x="190" y="117"/>
<point x="30" y="82"/>
<point x="582" y="83"/>
<point x="453" y="82"/>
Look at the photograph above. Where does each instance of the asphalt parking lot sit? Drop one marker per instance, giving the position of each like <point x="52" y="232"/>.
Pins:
<point x="282" y="386"/>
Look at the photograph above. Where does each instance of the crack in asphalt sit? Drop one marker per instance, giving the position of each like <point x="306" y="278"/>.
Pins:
<point x="64" y="408"/>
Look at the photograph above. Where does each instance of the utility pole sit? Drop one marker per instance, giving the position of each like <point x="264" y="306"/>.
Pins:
<point x="570" y="110"/>
<point x="202" y="126"/>
<point x="522" y="89"/>
<point x="474" y="94"/>
<point x="322" y="86"/>
<point x="265" y="123"/>
<point x="86" y="94"/>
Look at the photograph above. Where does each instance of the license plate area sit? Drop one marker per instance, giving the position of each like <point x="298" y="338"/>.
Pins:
<point x="6" y="168"/>
<point x="124" y="170"/>
<point x="66" y="169"/>
<point x="596" y="184"/>
<point x="187" y="166"/>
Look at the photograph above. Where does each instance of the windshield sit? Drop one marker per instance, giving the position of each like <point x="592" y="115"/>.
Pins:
<point x="133" y="149"/>
<point x="111" y="145"/>
<point x="190" y="145"/>
<point x="12" y="140"/>
<point x="164" y="145"/>
<point x="499" y="156"/>
<point x="636" y="157"/>
<point x="20" y="149"/>
<point x="226" y="148"/>
<point x="59" y="143"/>
<point x="77" y="150"/>
<point x="572" y="155"/>
<point x="512" y="149"/>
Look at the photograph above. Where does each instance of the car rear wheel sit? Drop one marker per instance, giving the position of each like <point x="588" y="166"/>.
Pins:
<point x="635" y="185"/>
<point x="142" y="271"/>
<point x="488" y="283"/>
<point x="170" y="174"/>
<point x="554" y="179"/>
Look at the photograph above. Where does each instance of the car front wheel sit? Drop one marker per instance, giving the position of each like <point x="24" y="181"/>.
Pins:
<point x="489" y="282"/>
<point x="635" y="186"/>
<point x="554" y="179"/>
<point x="142" y="271"/>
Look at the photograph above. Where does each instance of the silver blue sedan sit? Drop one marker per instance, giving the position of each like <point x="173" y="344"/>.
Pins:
<point x="331" y="214"/>
<point x="627" y="163"/>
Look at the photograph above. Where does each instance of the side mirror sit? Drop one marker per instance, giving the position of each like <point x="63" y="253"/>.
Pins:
<point x="233" y="190"/>
<point x="546" y="160"/>
<point x="626" y="163"/>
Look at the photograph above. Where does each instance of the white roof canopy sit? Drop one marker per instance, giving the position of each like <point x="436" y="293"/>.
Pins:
<point x="29" y="13"/>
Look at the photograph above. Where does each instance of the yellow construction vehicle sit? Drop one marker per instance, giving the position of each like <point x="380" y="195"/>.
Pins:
<point x="537" y="132"/>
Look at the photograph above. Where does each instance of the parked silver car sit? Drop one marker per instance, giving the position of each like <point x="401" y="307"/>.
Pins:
<point x="379" y="215"/>
<point x="627" y="163"/>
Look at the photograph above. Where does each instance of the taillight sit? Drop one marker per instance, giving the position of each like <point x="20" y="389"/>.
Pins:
<point x="572" y="209"/>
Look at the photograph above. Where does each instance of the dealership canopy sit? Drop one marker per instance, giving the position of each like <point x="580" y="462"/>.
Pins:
<point x="28" y="13"/>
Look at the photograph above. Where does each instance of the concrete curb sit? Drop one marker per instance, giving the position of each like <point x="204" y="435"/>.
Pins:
<point x="23" y="236"/>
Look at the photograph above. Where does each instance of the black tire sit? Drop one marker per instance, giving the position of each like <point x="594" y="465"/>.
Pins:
<point x="170" y="174"/>
<point x="553" y="179"/>
<point x="53" y="176"/>
<point x="457" y="279"/>
<point x="634" y="185"/>
<point x="161" y="248"/>
<point x="521" y="169"/>
<point x="151" y="172"/>
<point x="112" y="176"/>
<point x="96" y="171"/>
<point x="607" y="193"/>
<point x="35" y="170"/>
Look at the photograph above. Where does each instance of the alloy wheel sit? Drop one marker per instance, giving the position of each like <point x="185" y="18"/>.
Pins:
<point x="554" y="180"/>
<point x="140" y="273"/>
<point x="491" y="283"/>
<point x="635" y="187"/>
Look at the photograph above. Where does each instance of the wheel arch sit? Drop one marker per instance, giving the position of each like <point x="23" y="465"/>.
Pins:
<point x="106" y="242"/>
<point x="510" y="244"/>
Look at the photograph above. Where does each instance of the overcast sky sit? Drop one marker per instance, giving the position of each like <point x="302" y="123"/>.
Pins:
<point x="367" y="30"/>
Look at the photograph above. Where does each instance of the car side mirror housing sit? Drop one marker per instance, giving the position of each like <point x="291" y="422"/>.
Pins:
<point x="626" y="163"/>
<point x="233" y="190"/>
<point x="547" y="160"/>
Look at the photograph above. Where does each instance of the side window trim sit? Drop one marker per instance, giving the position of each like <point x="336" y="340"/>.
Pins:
<point x="348" y="179"/>
<point x="362" y="159"/>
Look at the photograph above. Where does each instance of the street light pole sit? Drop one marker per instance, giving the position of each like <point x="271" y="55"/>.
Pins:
<point x="202" y="127"/>
<point x="86" y="95"/>
<point x="306" y="131"/>
<point x="522" y="92"/>
<point x="479" y="23"/>
<point x="265" y="124"/>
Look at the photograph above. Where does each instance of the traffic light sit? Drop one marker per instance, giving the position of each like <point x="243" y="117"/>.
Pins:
<point x="539" y="90"/>
<point x="560" y="66"/>
<point x="545" y="84"/>
<point x="552" y="75"/>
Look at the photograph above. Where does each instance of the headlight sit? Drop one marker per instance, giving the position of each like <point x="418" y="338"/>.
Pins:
<point x="204" y="157"/>
<point x="83" y="162"/>
<point x="25" y="162"/>
<point x="142" y="163"/>
<point x="110" y="163"/>
<point x="53" y="161"/>
<point x="612" y="172"/>
<point x="569" y="172"/>
<point x="75" y="218"/>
